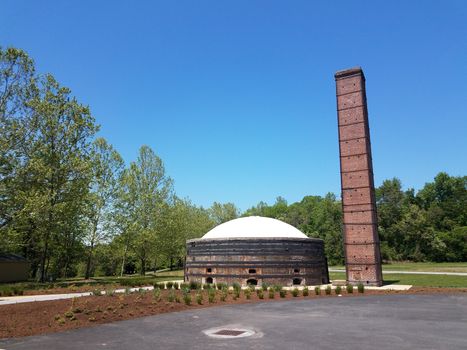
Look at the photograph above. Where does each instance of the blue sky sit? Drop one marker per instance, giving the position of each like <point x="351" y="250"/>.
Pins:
<point x="238" y="97"/>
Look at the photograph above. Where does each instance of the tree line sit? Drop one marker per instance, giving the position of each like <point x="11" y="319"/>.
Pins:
<point x="71" y="206"/>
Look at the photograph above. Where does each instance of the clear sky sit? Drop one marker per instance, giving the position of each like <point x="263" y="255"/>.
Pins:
<point x="238" y="97"/>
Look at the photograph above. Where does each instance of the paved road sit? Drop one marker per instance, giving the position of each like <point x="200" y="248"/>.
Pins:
<point x="413" y="272"/>
<point x="369" y="322"/>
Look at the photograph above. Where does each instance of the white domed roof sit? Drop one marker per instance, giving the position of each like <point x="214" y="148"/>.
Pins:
<point x="254" y="227"/>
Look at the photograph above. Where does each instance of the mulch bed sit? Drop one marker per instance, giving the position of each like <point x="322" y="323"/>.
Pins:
<point x="25" y="319"/>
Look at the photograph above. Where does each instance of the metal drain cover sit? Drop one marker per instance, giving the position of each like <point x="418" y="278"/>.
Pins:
<point x="229" y="332"/>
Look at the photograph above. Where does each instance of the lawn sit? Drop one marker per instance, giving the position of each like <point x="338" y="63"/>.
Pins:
<point x="421" y="266"/>
<point x="416" y="280"/>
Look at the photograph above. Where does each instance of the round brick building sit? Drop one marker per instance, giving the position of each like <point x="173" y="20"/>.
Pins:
<point x="256" y="250"/>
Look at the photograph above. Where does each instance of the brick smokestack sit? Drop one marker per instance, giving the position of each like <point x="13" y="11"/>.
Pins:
<point x="360" y="226"/>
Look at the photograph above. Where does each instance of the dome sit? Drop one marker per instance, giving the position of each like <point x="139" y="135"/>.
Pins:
<point x="254" y="227"/>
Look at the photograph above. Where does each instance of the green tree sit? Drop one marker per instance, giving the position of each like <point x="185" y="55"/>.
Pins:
<point x="107" y="168"/>
<point x="221" y="213"/>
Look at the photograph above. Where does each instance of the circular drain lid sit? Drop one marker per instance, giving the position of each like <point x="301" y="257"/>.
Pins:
<point x="229" y="332"/>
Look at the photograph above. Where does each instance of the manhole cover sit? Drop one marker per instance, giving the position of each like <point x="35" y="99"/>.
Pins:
<point x="229" y="332"/>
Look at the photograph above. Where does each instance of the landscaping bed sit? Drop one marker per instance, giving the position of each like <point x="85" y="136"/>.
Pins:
<point x="18" y="320"/>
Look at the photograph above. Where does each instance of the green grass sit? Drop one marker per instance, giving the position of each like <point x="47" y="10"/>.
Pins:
<point x="421" y="266"/>
<point x="416" y="280"/>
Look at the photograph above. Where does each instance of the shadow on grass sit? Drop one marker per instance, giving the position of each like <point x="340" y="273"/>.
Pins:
<point x="387" y="282"/>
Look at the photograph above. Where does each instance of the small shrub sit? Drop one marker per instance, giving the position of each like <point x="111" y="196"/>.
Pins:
<point x="194" y="285"/>
<point x="161" y="285"/>
<point x="91" y="319"/>
<point x="171" y="296"/>
<point x="236" y="286"/>
<point x="184" y="286"/>
<point x="317" y="291"/>
<point x="157" y="294"/>
<point x="265" y="286"/>
<point x="338" y="290"/>
<point x="361" y="288"/>
<point x="271" y="293"/>
<point x="176" y="285"/>
<point x="96" y="292"/>
<point x="282" y="293"/>
<point x="187" y="298"/>
<point x="68" y="314"/>
<point x="277" y="287"/>
<point x="305" y="291"/>
<point x="295" y="292"/>
<point x="236" y="293"/>
<point x="349" y="288"/>
<point x="260" y="293"/>
<point x="251" y="287"/>
<point x="170" y="285"/>
<point x="110" y="292"/>
<point x="328" y="290"/>
<point x="199" y="298"/>
<point x="247" y="293"/>
<point x="224" y="293"/>
<point x="207" y="286"/>
<point x="211" y="295"/>
<point x="220" y="286"/>
<point x="61" y="321"/>
<point x="127" y="291"/>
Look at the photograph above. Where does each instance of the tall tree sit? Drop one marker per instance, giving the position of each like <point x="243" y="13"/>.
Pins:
<point x="107" y="168"/>
<point x="221" y="213"/>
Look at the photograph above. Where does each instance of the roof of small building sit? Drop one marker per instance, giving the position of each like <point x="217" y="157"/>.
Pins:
<point x="10" y="257"/>
<point x="254" y="227"/>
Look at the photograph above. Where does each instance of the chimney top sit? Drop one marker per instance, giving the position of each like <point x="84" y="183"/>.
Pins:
<point x="345" y="73"/>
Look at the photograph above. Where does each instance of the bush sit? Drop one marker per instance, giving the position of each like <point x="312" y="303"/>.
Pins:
<point x="157" y="294"/>
<point x="317" y="291"/>
<point x="260" y="293"/>
<point x="110" y="292"/>
<point x="338" y="290"/>
<point x="236" y="286"/>
<point x="161" y="285"/>
<point x="295" y="292"/>
<point x="224" y="293"/>
<point x="171" y="296"/>
<point x="265" y="286"/>
<point x="349" y="288"/>
<point x="195" y="285"/>
<point x="212" y="295"/>
<point x="221" y="286"/>
<point x="271" y="293"/>
<point x="328" y="290"/>
<point x="282" y="293"/>
<point x="277" y="288"/>
<point x="305" y="291"/>
<point x="176" y="285"/>
<point x="184" y="286"/>
<point x="252" y="288"/>
<point x="236" y="293"/>
<point x="187" y="298"/>
<point x="199" y="298"/>
<point x="247" y="293"/>
<point x="170" y="285"/>
<point x="361" y="288"/>
<point x="96" y="292"/>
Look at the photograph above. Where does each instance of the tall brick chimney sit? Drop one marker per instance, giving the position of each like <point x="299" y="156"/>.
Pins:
<point x="360" y="227"/>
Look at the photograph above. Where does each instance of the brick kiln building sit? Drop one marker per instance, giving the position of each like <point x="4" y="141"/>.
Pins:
<point x="256" y="250"/>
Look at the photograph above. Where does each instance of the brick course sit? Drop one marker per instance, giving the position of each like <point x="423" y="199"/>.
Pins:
<point x="361" y="242"/>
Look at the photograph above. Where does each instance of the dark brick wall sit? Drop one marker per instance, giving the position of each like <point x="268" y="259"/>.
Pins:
<point x="268" y="260"/>
<point x="361" y="242"/>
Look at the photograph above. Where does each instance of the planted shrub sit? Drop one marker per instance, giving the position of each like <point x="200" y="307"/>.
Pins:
<point x="194" y="285"/>
<point x="349" y="288"/>
<point x="277" y="287"/>
<point x="184" y="286"/>
<point x="247" y="293"/>
<point x="317" y="290"/>
<point x="199" y="298"/>
<point x="170" y="285"/>
<point x="361" y="288"/>
<point x="265" y="286"/>
<point x="271" y="293"/>
<point x="305" y="292"/>
<point x="187" y="298"/>
<point x="252" y="287"/>
<point x="224" y="293"/>
<point x="171" y="296"/>
<point x="236" y="293"/>
<point x="110" y="292"/>
<point x="328" y="290"/>
<point x="260" y="293"/>
<point x="161" y="285"/>
<point x="176" y="285"/>
<point x="295" y="292"/>
<point x="212" y="295"/>
<point x="338" y="290"/>
<point x="282" y="293"/>
<point x="236" y="286"/>
<point x="157" y="294"/>
<point x="221" y="286"/>
<point x="97" y="292"/>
